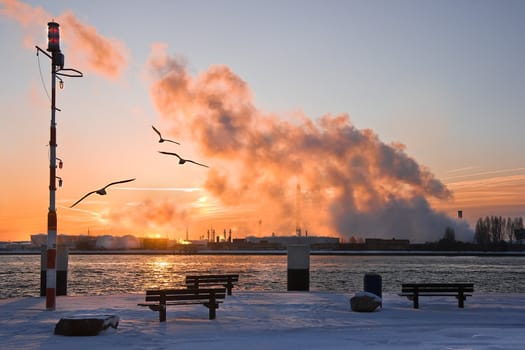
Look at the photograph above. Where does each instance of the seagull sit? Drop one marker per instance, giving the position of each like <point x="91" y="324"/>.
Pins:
<point x="101" y="191"/>
<point x="161" y="139"/>
<point x="181" y="160"/>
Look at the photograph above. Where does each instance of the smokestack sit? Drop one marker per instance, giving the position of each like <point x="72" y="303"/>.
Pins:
<point x="298" y="210"/>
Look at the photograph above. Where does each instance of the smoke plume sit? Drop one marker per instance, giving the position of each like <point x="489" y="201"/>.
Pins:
<point x="157" y="215"/>
<point x="87" y="49"/>
<point x="352" y="184"/>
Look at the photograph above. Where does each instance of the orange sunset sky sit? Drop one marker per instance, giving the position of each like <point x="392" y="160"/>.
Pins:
<point x="390" y="115"/>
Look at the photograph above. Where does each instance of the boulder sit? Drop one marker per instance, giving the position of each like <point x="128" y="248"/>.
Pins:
<point x="85" y="325"/>
<point x="365" y="302"/>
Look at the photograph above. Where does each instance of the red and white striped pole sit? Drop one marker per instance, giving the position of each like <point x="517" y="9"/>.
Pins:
<point x="57" y="68"/>
<point x="52" y="215"/>
<point x="54" y="48"/>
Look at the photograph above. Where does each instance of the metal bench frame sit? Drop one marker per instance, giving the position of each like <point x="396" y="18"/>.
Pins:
<point x="415" y="290"/>
<point x="159" y="299"/>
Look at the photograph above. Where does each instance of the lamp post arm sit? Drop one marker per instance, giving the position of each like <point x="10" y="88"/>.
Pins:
<point x="45" y="53"/>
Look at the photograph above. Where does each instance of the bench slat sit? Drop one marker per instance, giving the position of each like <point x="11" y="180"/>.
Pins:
<point x="172" y="303"/>
<point x="226" y="280"/>
<point x="183" y="291"/>
<point x="439" y="284"/>
<point x="433" y="294"/>
<point x="192" y="280"/>
<point x="436" y="290"/>
<point x="185" y="297"/>
<point x="215" y="275"/>
<point x="211" y="279"/>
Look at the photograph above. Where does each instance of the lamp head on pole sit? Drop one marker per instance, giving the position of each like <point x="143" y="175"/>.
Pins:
<point x="53" y="37"/>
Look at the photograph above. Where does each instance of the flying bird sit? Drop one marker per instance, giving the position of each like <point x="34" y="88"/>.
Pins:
<point x="101" y="191"/>
<point x="161" y="139"/>
<point x="182" y="160"/>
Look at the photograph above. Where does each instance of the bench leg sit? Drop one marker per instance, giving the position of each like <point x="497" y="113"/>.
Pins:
<point x="213" y="313"/>
<point x="416" y="301"/>
<point x="162" y="313"/>
<point x="162" y="307"/>
<point x="461" y="300"/>
<point x="212" y="306"/>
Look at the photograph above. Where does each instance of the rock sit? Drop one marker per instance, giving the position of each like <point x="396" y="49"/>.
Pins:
<point x="365" y="302"/>
<point x="85" y="325"/>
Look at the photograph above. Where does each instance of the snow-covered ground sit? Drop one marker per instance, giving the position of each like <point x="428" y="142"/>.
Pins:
<point x="265" y="320"/>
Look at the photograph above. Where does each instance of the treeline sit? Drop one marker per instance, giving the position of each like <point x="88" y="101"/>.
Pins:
<point x="491" y="233"/>
<point x="497" y="230"/>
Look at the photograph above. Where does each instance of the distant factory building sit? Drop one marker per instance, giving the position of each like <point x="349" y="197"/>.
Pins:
<point x="387" y="244"/>
<point x="288" y="240"/>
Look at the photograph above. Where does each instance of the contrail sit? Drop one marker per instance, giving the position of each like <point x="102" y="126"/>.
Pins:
<point x="176" y="189"/>
<point x="482" y="173"/>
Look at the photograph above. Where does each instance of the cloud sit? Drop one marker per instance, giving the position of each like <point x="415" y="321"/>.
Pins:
<point x="107" y="57"/>
<point x="87" y="49"/>
<point x="351" y="182"/>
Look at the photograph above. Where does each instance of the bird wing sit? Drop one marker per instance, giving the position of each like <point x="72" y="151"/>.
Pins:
<point x="172" y="141"/>
<point x="118" y="182"/>
<point x="171" y="154"/>
<point x="158" y="132"/>
<point x="191" y="161"/>
<point x="80" y="200"/>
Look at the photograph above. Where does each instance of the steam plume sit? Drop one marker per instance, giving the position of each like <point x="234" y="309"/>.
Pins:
<point x="157" y="215"/>
<point x="353" y="183"/>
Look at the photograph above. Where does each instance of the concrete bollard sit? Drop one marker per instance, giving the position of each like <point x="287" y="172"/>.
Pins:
<point x="61" y="270"/>
<point x="298" y="268"/>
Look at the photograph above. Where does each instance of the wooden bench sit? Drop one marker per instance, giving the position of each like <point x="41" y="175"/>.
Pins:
<point x="158" y="299"/>
<point x="197" y="281"/>
<point x="415" y="290"/>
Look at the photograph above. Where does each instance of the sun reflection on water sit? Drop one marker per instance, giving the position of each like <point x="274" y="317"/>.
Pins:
<point x="160" y="264"/>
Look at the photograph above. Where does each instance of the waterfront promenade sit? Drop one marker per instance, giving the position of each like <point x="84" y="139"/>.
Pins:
<point x="268" y="320"/>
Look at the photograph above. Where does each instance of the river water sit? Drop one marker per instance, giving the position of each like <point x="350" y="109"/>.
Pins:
<point x="123" y="274"/>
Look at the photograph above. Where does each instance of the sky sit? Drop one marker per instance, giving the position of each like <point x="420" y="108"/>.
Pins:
<point x="374" y="119"/>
